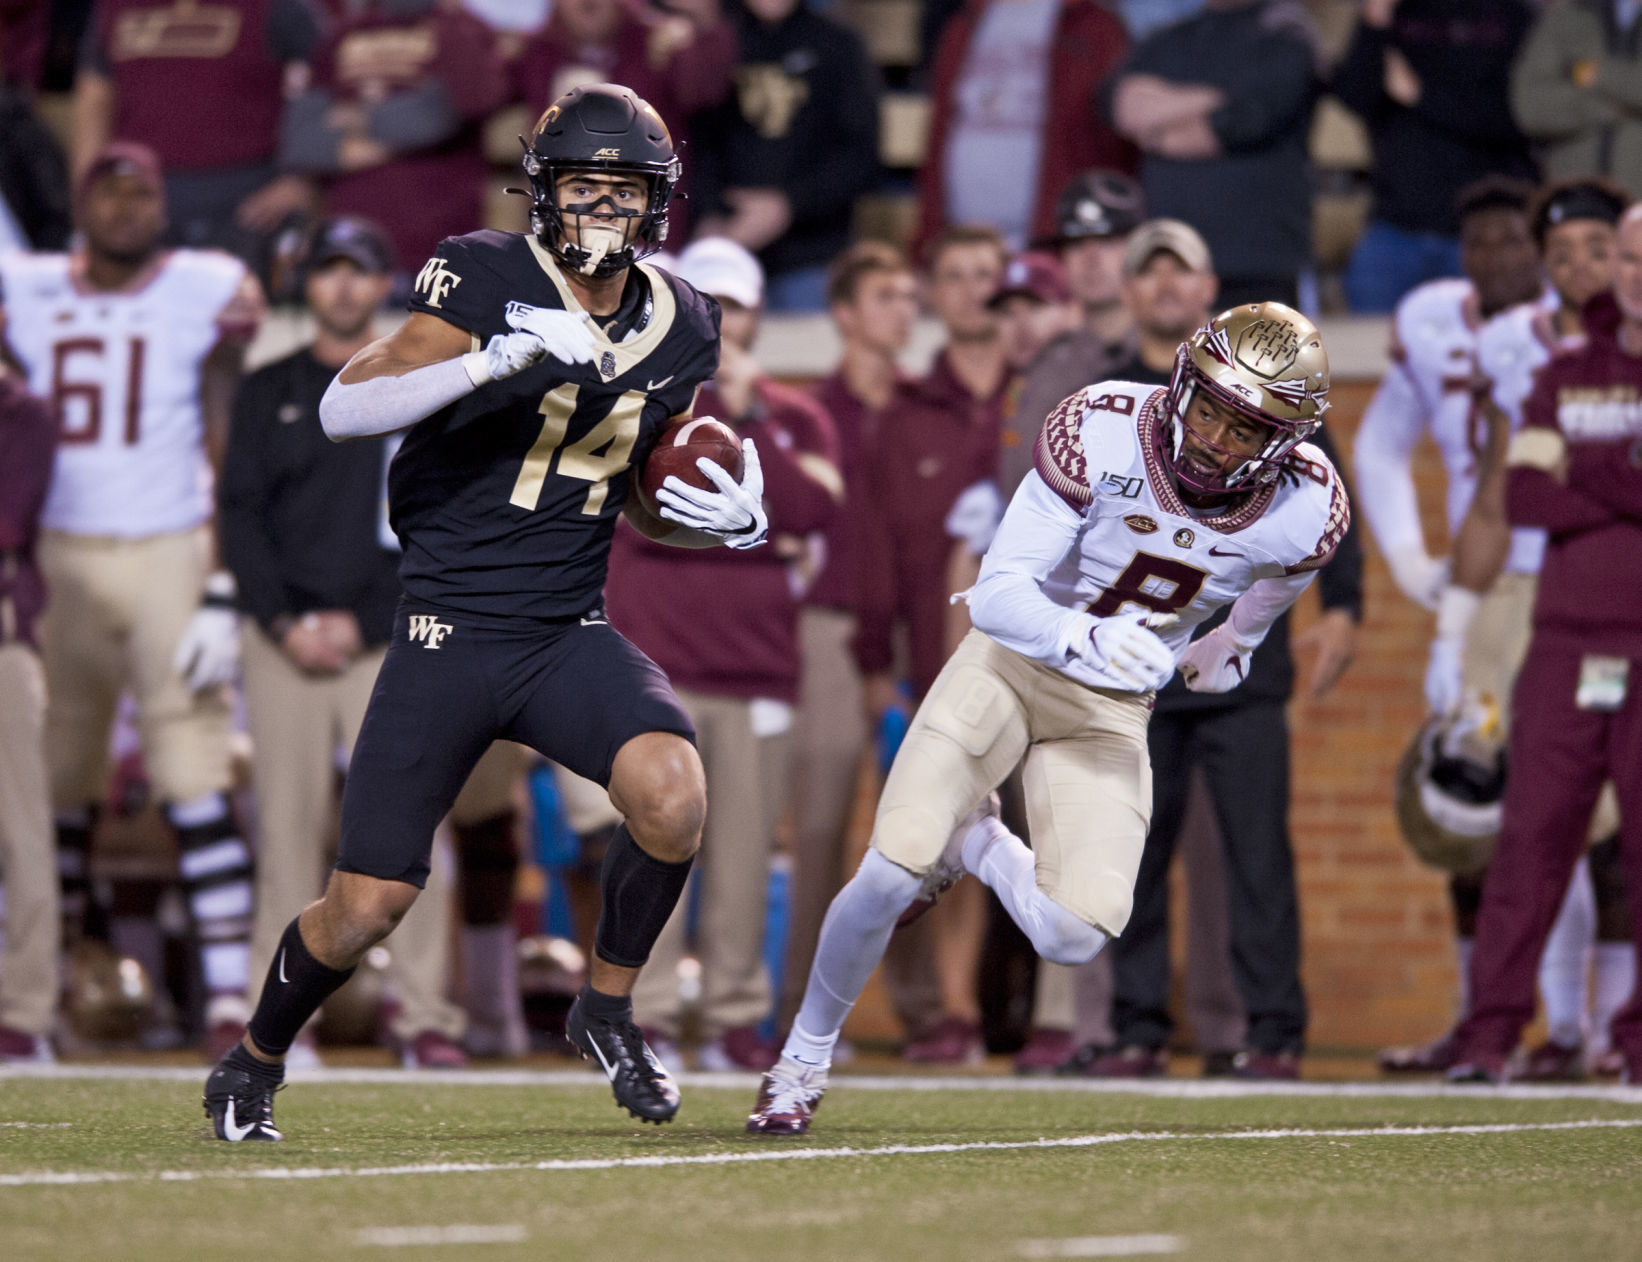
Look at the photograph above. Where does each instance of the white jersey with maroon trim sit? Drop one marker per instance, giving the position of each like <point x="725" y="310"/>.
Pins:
<point x="122" y="370"/>
<point x="1138" y="545"/>
<point x="1511" y="349"/>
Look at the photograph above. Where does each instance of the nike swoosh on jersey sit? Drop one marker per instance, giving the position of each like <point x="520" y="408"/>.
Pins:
<point x="235" y="1133"/>
<point x="657" y="385"/>
<point x="1216" y="552"/>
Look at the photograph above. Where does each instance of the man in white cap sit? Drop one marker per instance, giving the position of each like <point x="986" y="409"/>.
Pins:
<point x="734" y="663"/>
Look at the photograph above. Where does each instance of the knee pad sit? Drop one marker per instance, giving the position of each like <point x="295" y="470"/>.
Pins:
<point x="1066" y="939"/>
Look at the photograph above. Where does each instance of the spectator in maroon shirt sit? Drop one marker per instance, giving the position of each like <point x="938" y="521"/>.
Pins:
<point x="723" y="624"/>
<point x="1015" y="113"/>
<point x="944" y="437"/>
<point x="204" y="87"/>
<point x="391" y="121"/>
<point x="1574" y="470"/>
<point x="680" y="60"/>
<point x="872" y="294"/>
<point x="28" y="968"/>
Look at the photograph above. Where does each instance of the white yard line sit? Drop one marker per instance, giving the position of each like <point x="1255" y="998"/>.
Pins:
<point x="459" y="1233"/>
<point x="1101" y="1247"/>
<point x="750" y="1156"/>
<point x="1162" y="1088"/>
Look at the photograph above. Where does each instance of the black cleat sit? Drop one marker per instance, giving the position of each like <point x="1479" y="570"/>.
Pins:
<point x="240" y="1104"/>
<point x="640" y="1084"/>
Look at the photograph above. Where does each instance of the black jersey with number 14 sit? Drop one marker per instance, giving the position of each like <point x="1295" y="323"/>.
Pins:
<point x="505" y="502"/>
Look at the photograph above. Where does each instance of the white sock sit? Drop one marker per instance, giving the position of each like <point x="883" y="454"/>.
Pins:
<point x="1002" y="860"/>
<point x="1562" y="966"/>
<point x="1615" y="979"/>
<point x="1462" y="957"/>
<point x="853" y="937"/>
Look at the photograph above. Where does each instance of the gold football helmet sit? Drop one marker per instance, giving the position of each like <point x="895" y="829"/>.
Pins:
<point x="1266" y="361"/>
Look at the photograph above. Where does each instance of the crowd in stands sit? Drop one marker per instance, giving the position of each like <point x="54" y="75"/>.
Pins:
<point x="1068" y="187"/>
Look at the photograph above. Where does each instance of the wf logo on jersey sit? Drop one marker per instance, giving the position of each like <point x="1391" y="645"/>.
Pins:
<point x="427" y="628"/>
<point x="435" y="280"/>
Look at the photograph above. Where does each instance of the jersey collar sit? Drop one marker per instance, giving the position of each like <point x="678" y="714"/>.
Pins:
<point x="1244" y="512"/>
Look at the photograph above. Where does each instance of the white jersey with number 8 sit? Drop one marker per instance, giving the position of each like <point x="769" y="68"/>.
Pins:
<point x="122" y="370"/>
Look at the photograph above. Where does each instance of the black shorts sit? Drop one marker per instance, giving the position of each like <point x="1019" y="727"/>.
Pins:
<point x="576" y="690"/>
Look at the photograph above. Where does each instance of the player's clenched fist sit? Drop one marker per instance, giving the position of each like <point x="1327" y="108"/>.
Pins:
<point x="1126" y="647"/>
<point x="1215" y="662"/>
<point x="538" y="333"/>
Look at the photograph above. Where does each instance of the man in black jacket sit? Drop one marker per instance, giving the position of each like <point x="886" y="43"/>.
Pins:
<point x="303" y="526"/>
<point x="1431" y="80"/>
<point x="779" y="166"/>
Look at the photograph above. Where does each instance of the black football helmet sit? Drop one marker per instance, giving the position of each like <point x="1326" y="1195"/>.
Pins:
<point x="602" y="127"/>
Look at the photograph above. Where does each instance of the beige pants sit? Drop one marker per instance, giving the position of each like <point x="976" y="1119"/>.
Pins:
<point x="1087" y="775"/>
<point x="28" y="968"/>
<point x="297" y="722"/>
<point x="747" y="778"/>
<point x="118" y="609"/>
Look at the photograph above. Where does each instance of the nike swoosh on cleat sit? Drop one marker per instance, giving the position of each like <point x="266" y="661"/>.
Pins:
<point x="282" y="976"/>
<point x="234" y="1133"/>
<point x="609" y="1069"/>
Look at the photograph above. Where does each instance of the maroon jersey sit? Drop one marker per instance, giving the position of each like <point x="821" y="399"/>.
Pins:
<point x="1576" y="470"/>
<point x="935" y="440"/>
<point x="427" y="195"/>
<point x="721" y="620"/>
<point x="837" y="586"/>
<point x="199" y="84"/>
<point x="28" y="442"/>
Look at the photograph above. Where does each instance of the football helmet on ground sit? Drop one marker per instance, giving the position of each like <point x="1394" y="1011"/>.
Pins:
<point x="1451" y="789"/>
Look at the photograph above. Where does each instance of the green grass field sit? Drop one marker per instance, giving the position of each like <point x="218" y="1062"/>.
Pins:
<point x="545" y="1166"/>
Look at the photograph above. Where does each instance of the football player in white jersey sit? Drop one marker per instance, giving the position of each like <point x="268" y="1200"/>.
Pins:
<point x="1430" y="389"/>
<point x="1149" y="508"/>
<point x="1483" y="619"/>
<point x="138" y="349"/>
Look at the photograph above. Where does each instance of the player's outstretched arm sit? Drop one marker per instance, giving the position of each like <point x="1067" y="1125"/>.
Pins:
<point x="426" y="364"/>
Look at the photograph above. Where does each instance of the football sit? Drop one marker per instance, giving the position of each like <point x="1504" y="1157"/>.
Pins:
<point x="678" y="448"/>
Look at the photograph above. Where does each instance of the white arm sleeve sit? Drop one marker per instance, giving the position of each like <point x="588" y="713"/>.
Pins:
<point x="382" y="405"/>
<point x="1008" y="602"/>
<point x="1392" y="424"/>
<point x="1253" y="613"/>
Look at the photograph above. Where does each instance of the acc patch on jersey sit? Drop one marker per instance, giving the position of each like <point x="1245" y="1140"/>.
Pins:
<point x="1140" y="524"/>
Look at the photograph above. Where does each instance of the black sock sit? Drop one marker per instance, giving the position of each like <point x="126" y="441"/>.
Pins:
<point x="598" y="1006"/>
<point x="640" y="892"/>
<point x="296" y="985"/>
<point x="239" y="1058"/>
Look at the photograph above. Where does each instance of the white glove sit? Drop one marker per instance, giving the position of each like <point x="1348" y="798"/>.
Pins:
<point x="208" y="653"/>
<point x="539" y="332"/>
<point x="975" y="516"/>
<point x="1420" y="575"/>
<point x="1215" y="662"/>
<point x="734" y="512"/>
<point x="1443" y="687"/>
<point x="567" y="337"/>
<point x="1125" y="646"/>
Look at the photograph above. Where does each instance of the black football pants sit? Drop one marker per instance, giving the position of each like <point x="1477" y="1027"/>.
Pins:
<point x="1244" y="753"/>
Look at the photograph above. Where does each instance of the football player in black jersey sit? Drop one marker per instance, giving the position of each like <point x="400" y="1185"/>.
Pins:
<point x="532" y="376"/>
